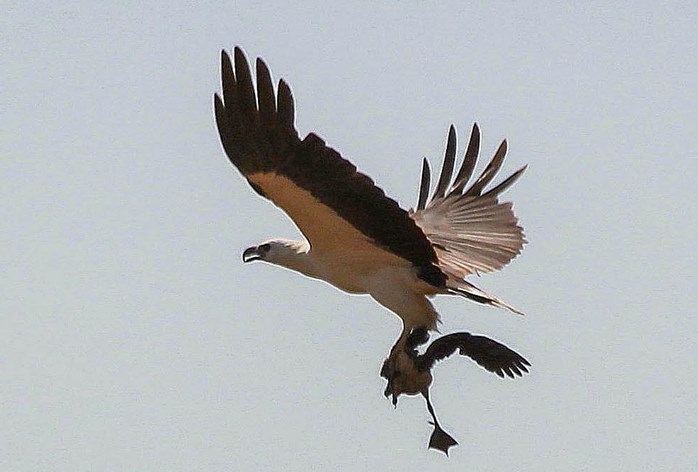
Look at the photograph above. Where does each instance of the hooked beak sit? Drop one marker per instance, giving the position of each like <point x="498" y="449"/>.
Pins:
<point x="251" y="254"/>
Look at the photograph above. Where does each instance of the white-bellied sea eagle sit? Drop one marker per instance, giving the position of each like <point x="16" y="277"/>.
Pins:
<point x="357" y="238"/>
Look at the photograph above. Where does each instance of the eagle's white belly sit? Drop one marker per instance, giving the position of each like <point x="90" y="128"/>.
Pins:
<point x="352" y="276"/>
<point x="394" y="285"/>
<point x="361" y="271"/>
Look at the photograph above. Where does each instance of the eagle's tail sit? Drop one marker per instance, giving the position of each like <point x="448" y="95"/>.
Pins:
<point x="471" y="292"/>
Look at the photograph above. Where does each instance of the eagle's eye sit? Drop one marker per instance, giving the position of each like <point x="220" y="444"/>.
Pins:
<point x="264" y="247"/>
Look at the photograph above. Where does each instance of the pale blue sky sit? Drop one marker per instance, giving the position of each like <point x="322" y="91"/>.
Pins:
<point x="132" y="337"/>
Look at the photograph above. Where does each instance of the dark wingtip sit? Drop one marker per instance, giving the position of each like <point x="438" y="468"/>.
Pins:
<point x="284" y="105"/>
<point x="469" y="160"/>
<point x="447" y="165"/>
<point x="225" y="59"/>
<point x="475" y="133"/>
<point x="424" y="185"/>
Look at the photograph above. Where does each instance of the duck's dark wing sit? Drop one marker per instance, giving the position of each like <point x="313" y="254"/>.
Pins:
<point x="488" y="353"/>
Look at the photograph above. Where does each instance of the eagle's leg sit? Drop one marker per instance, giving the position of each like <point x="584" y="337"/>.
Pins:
<point x="393" y="366"/>
<point x="439" y="439"/>
<point x="418" y="337"/>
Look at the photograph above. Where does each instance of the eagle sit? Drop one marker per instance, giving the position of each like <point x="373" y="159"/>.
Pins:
<point x="357" y="238"/>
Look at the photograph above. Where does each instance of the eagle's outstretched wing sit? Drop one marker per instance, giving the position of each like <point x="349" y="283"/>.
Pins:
<point x="470" y="229"/>
<point x="337" y="208"/>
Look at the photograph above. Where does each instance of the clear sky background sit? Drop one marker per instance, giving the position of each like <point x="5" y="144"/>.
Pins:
<point x="132" y="337"/>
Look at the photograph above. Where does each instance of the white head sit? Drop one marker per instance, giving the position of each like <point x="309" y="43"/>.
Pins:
<point x="283" y="252"/>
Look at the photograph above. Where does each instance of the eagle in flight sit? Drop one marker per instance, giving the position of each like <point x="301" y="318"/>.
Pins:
<point x="357" y="238"/>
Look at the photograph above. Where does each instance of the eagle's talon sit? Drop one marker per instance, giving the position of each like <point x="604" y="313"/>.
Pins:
<point x="389" y="373"/>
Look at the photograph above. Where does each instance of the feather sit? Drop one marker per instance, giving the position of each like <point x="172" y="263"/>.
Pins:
<point x="447" y="167"/>
<point x="424" y="185"/>
<point x="471" y="231"/>
<point x="469" y="161"/>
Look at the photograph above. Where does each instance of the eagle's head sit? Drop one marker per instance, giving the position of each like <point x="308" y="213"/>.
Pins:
<point x="283" y="252"/>
<point x="275" y="251"/>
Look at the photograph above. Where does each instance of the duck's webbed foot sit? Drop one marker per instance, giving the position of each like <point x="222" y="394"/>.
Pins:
<point x="439" y="439"/>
